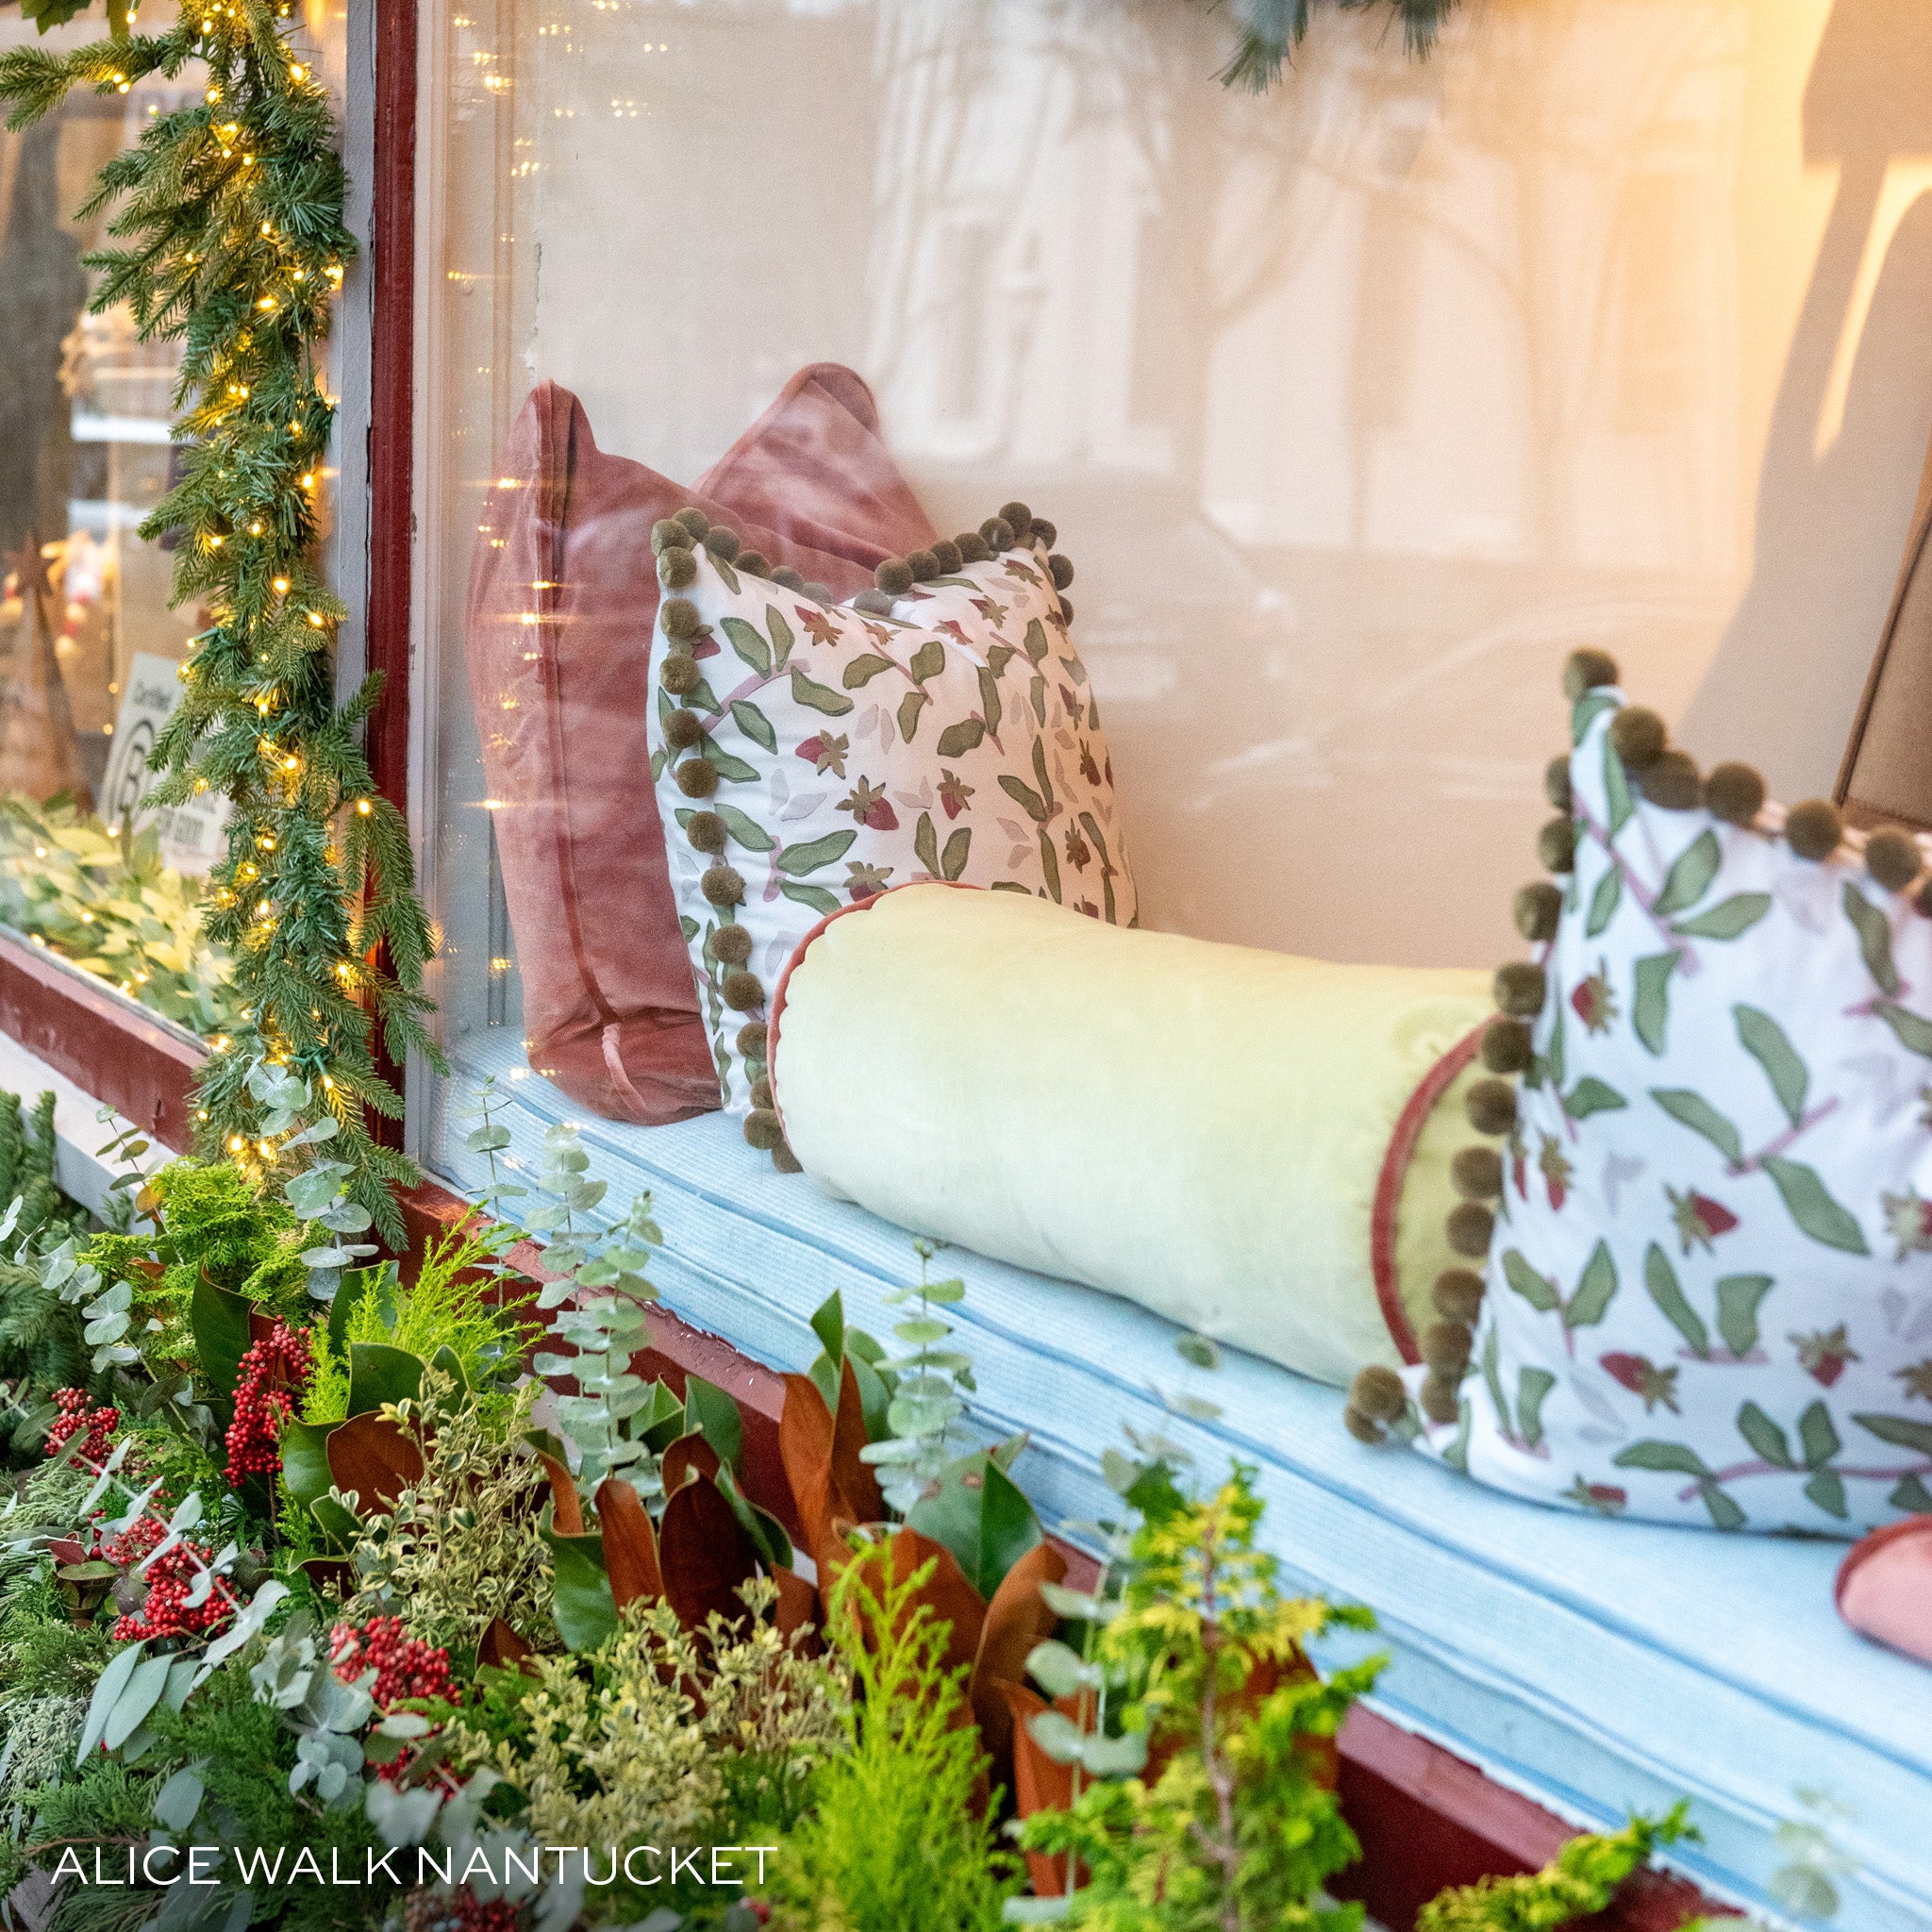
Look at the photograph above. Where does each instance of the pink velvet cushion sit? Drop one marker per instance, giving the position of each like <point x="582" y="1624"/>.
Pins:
<point x="1885" y="1586"/>
<point x="563" y="595"/>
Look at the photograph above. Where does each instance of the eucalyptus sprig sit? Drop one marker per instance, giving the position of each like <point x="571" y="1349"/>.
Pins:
<point x="229" y="210"/>
<point x="925" y="1392"/>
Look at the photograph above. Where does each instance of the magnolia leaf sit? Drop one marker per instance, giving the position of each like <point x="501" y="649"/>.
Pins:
<point x="818" y="697"/>
<point x="1540" y="1293"/>
<point x="1660" y="1278"/>
<point x="1737" y="1296"/>
<point x="1810" y="1205"/>
<point x="1689" y="877"/>
<point x="1605" y="900"/>
<point x="1764" y="1040"/>
<point x="1692" y="1111"/>
<point x="1765" y="1437"/>
<point x="1665" y="1458"/>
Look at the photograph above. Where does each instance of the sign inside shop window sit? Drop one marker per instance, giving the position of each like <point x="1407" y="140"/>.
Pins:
<point x="193" y="834"/>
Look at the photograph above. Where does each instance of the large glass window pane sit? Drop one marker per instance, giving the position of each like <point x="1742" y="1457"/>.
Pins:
<point x="1357" y="406"/>
<point x="89" y="645"/>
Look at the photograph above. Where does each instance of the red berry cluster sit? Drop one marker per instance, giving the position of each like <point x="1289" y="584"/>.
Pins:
<point x="405" y="1666"/>
<point x="167" y="1612"/>
<point x="460" y="1911"/>
<point x="271" y="1374"/>
<point x="132" y="1545"/>
<point x="74" y="1416"/>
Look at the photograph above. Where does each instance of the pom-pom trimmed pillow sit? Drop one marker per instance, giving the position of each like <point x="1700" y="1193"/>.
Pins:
<point x="1708" y="1286"/>
<point x="939" y="727"/>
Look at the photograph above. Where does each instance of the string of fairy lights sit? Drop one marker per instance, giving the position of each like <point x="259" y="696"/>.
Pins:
<point x="226" y="218"/>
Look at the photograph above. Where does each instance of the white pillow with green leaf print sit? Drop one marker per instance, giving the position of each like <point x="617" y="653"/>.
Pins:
<point x="1709" y="1282"/>
<point x="816" y="754"/>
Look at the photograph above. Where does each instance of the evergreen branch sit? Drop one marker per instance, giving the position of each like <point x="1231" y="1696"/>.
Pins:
<point x="226" y="221"/>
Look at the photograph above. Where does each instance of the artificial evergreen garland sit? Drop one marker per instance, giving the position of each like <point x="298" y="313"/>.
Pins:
<point x="1268" y="31"/>
<point x="231" y="211"/>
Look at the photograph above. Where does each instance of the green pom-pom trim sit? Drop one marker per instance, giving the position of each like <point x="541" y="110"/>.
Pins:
<point x="1521" y="989"/>
<point x="753" y="1041"/>
<point x="721" y="542"/>
<point x="1043" y="532"/>
<point x="1814" y="828"/>
<point x="683" y="729"/>
<point x="696" y="777"/>
<point x="998" y="534"/>
<point x="948" y="558"/>
<point x="784" y="574"/>
<point x="785" y="1160"/>
<point x="1017" y="518"/>
<point x="1364" y="1428"/>
<point x="1556" y="785"/>
<point x="1491" y="1107"/>
<point x="893" y="577"/>
<point x="1893" y="858"/>
<point x="754" y="563"/>
<point x="764" y="1130"/>
<point x="678" y="568"/>
<point x="1556" y="845"/>
<point x="923" y="565"/>
<point x="1457" y="1296"/>
<point x="1477" y="1173"/>
<point x="1507" y="1046"/>
<point x="723" y="885"/>
<point x="761" y="1092"/>
<point x="1735" y="794"/>
<point x="1588" y="671"/>
<point x="705" y="831"/>
<point x="1062" y="570"/>
<point x="1445" y="1348"/>
<point x="680" y="619"/>
<point x="1378" y="1392"/>
<point x="972" y="547"/>
<point x="667" y="533"/>
<point x="1639" y="736"/>
<point x="820" y="593"/>
<point x="1438" y="1399"/>
<point x="694" y="520"/>
<point x="873" y="603"/>
<point x="1066" y="610"/>
<point x="1537" y="908"/>
<point x="1471" y="1227"/>
<point x="732" y="947"/>
<point x="1673" y="783"/>
<point x="743" y="992"/>
<point x="679" y="673"/>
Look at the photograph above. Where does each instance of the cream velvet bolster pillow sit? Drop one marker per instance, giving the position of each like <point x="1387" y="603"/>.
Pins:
<point x="1204" y="1129"/>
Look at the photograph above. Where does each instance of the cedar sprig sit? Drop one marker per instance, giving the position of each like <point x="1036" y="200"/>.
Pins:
<point x="226" y="221"/>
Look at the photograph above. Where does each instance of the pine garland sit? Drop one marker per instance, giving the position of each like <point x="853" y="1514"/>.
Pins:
<point x="1268" y="31"/>
<point x="231" y="212"/>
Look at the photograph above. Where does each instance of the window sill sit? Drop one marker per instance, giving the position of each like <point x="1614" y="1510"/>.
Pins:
<point x="105" y="1045"/>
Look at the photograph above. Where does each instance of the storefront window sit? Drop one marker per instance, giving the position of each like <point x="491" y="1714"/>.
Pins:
<point x="1357" y="406"/>
<point x="89" y="644"/>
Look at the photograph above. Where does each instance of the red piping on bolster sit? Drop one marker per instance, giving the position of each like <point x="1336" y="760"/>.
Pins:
<point x="1402" y="1144"/>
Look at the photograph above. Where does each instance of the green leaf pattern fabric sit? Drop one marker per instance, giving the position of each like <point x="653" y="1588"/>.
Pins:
<point x="957" y="740"/>
<point x="1710" y="1295"/>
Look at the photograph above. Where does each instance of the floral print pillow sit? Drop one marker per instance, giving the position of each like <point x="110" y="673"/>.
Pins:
<point x="815" y="753"/>
<point x="1708" y="1293"/>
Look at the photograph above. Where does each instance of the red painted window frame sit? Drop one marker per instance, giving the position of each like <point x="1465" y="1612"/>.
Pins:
<point x="1425" y="1818"/>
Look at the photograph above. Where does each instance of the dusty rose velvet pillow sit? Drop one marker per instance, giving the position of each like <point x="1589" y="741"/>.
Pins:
<point x="563" y="595"/>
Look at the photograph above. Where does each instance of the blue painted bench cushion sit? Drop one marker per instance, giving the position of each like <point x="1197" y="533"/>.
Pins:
<point x="1597" y="1667"/>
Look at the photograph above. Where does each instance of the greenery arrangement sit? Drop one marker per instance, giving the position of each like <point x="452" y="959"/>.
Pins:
<point x="313" y="1563"/>
<point x="109" y="905"/>
<point x="230" y="210"/>
<point x="1268" y="31"/>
